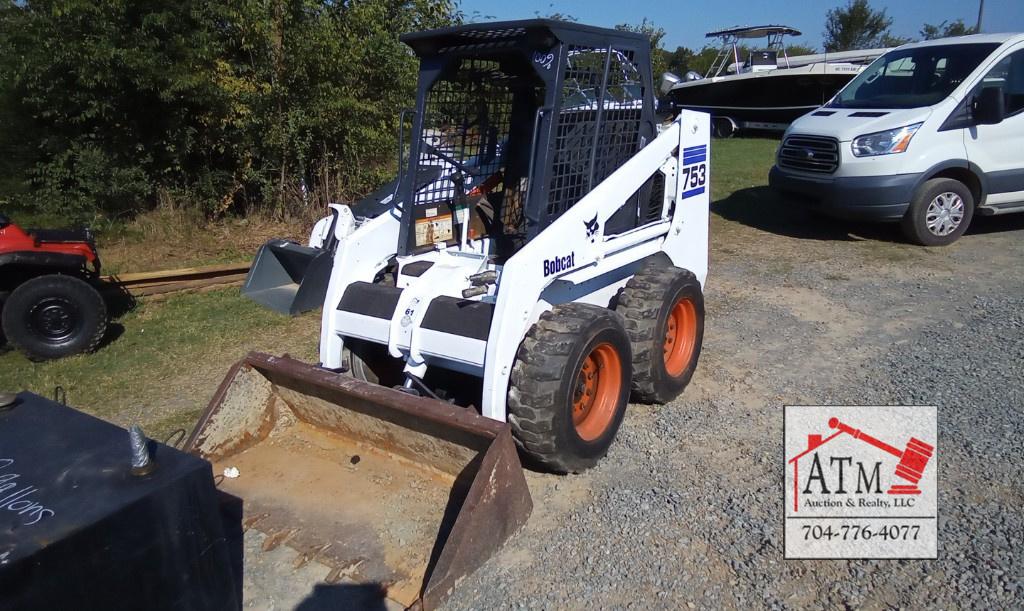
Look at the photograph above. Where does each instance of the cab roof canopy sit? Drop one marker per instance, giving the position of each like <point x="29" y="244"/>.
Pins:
<point x="542" y="33"/>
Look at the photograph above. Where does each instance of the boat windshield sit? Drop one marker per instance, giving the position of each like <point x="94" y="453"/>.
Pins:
<point x="913" y="78"/>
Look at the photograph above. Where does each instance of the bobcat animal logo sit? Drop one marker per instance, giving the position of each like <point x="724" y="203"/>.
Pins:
<point x="592" y="226"/>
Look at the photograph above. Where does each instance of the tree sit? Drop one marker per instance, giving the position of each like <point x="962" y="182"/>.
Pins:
<point x="557" y="17"/>
<point x="702" y="61"/>
<point x="794" y="50"/>
<point x="115" y="97"/>
<point x="659" y="60"/>
<point x="112" y="105"/>
<point x="890" y="40"/>
<point x="679" y="62"/>
<point x="946" y="29"/>
<point x="855" y="26"/>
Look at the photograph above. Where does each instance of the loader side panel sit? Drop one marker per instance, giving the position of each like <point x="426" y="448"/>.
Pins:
<point x="460" y="317"/>
<point x="368" y="299"/>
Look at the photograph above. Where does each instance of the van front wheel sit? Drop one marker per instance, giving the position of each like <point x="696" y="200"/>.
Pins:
<point x="939" y="214"/>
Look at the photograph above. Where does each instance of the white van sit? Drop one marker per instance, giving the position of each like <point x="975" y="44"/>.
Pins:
<point x="929" y="134"/>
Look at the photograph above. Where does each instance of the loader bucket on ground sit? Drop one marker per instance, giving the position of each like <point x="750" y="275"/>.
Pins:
<point x="289" y="278"/>
<point x="405" y="492"/>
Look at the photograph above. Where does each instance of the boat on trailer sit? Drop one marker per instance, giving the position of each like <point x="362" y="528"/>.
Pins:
<point x="764" y="89"/>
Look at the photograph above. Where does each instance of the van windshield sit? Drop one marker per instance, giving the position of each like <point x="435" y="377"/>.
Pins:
<point x="913" y="78"/>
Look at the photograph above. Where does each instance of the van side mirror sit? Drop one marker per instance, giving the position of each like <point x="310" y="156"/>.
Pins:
<point x="989" y="106"/>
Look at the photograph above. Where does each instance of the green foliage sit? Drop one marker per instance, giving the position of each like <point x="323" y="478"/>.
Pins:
<point x="659" y="60"/>
<point x="678" y="62"/>
<point x="702" y="61"/>
<point x="947" y="29"/>
<point x="556" y="16"/>
<point x="71" y="180"/>
<point x="275" y="104"/>
<point x="794" y="50"/>
<point x="704" y="58"/>
<point x="856" y="26"/>
<point x="891" y="40"/>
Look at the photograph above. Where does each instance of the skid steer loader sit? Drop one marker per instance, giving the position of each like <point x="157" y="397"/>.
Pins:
<point x="539" y="261"/>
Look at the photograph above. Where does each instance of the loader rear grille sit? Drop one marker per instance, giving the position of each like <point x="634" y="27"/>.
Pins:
<point x="810" y="154"/>
<point x="654" y="199"/>
<point x="598" y="125"/>
<point x="476" y="40"/>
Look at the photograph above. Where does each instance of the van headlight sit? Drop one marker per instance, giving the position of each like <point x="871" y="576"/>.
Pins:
<point x="885" y="143"/>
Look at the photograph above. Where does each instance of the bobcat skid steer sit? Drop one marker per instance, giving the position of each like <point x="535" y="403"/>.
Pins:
<point x="540" y="261"/>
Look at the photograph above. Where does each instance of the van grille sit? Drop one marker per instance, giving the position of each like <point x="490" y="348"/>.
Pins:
<point x="810" y="154"/>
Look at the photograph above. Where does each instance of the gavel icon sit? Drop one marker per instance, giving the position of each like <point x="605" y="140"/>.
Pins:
<point x="913" y="459"/>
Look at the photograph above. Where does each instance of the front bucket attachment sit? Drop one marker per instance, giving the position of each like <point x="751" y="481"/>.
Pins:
<point x="288" y="277"/>
<point x="408" y="493"/>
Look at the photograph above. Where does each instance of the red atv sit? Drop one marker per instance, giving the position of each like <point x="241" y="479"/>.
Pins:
<point x="50" y="303"/>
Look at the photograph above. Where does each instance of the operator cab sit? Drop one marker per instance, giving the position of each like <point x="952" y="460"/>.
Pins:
<point x="514" y="123"/>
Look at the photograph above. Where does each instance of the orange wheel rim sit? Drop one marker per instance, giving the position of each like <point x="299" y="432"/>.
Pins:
<point x="680" y="337"/>
<point x="596" y="392"/>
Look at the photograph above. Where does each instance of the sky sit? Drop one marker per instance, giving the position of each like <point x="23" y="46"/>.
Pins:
<point x="686" y="21"/>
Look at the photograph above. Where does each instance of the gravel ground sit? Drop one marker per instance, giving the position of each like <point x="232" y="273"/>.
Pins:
<point x="686" y="510"/>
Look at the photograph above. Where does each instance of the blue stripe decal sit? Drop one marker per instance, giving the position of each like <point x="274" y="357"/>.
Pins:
<point x="694" y="159"/>
<point x="693" y="192"/>
<point x="701" y="147"/>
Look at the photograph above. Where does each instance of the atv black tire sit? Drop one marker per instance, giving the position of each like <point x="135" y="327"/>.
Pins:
<point x="54" y="316"/>
<point x="663" y="307"/>
<point x="570" y="386"/>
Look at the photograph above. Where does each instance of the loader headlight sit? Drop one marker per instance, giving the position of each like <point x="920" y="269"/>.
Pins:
<point x="885" y="143"/>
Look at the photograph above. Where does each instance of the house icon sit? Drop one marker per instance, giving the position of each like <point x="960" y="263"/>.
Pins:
<point x="814" y="442"/>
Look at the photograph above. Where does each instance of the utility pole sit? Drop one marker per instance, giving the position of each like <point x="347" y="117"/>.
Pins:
<point x="981" y="9"/>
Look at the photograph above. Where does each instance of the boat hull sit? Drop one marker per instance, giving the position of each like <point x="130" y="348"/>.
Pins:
<point x="768" y="100"/>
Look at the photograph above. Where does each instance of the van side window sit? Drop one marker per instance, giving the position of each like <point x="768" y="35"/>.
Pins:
<point x="1008" y="75"/>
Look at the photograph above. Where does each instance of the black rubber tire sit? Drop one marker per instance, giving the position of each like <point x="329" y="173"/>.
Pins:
<point x="914" y="224"/>
<point x="723" y="127"/>
<point x="645" y="304"/>
<point x="370" y="362"/>
<point x="544" y="380"/>
<point x="82" y="303"/>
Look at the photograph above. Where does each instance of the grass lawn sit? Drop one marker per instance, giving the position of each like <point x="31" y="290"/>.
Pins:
<point x="164" y="359"/>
